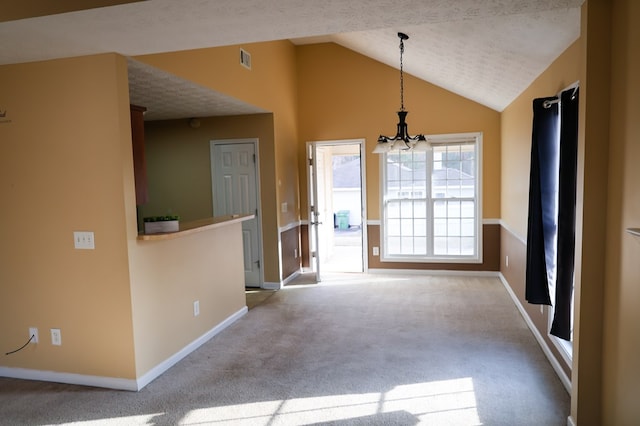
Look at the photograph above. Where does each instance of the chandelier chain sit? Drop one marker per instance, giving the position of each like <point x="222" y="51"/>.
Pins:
<point x="401" y="76"/>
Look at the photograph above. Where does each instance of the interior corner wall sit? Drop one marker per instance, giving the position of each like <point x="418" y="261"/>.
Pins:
<point x="621" y="345"/>
<point x="516" y="127"/>
<point x="65" y="165"/>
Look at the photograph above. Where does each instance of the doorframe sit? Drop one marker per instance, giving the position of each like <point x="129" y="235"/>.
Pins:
<point x="256" y="150"/>
<point x="363" y="192"/>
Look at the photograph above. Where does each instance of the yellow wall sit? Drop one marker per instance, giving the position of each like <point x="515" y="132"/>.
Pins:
<point x="516" y="137"/>
<point x="344" y="95"/>
<point x="65" y="159"/>
<point x="621" y="384"/>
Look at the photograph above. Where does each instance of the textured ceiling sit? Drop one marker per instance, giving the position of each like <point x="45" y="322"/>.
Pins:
<point x="167" y="97"/>
<point x="486" y="50"/>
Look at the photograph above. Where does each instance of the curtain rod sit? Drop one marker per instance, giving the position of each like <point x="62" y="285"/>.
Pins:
<point x="574" y="86"/>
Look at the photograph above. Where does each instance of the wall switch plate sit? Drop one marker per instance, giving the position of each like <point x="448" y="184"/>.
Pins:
<point x="284" y="207"/>
<point x="83" y="240"/>
<point x="376" y="251"/>
<point x="33" y="331"/>
<point x="196" y="308"/>
<point x="56" y="337"/>
<point x="506" y="260"/>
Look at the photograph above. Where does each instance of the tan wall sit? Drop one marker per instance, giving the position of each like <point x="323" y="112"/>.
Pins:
<point x="344" y="95"/>
<point x="179" y="171"/>
<point x="516" y="137"/>
<point x="168" y="276"/>
<point x="65" y="164"/>
<point x="621" y="384"/>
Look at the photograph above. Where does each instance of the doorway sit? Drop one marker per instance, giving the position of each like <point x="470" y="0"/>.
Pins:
<point x="234" y="172"/>
<point x="337" y="231"/>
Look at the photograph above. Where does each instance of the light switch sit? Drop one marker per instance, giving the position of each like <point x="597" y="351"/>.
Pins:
<point x="83" y="240"/>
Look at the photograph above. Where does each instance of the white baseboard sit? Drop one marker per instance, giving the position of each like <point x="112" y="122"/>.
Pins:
<point x="543" y="344"/>
<point x="290" y="278"/>
<point x="121" y="383"/>
<point x="69" y="378"/>
<point x="156" y="371"/>
<point x="272" y="285"/>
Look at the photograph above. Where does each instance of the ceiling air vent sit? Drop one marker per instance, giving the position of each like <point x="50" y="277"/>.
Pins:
<point x="245" y="59"/>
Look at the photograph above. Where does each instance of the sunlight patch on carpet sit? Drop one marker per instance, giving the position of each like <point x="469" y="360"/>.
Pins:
<point x="436" y="403"/>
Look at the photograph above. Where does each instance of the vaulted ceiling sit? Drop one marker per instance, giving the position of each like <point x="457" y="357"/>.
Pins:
<point x="486" y="50"/>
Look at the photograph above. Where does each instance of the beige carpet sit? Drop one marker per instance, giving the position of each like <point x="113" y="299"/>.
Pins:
<point x="354" y="350"/>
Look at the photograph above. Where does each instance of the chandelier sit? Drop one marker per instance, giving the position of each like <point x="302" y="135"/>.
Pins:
<point x="402" y="140"/>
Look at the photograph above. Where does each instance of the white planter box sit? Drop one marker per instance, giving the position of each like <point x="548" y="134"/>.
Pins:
<point x="161" y="226"/>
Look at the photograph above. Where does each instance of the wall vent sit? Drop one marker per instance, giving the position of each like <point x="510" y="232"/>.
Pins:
<point x="245" y="59"/>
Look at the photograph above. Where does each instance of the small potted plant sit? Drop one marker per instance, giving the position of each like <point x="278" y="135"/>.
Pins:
<point x="160" y="224"/>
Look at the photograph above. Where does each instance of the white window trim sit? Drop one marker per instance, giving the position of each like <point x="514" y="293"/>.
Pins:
<point x="475" y="137"/>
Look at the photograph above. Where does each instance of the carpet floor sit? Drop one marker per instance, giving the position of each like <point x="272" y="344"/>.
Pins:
<point x="354" y="350"/>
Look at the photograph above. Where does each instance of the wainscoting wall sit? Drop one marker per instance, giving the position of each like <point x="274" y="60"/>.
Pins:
<point x="515" y="248"/>
<point x="490" y="250"/>
<point x="291" y="251"/>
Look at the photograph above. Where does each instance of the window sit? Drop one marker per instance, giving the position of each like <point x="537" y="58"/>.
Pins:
<point x="431" y="201"/>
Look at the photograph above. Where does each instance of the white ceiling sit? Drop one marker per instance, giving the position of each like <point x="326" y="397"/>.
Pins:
<point x="486" y="50"/>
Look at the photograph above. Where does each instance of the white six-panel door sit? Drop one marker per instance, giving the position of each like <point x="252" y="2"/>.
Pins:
<point x="234" y="186"/>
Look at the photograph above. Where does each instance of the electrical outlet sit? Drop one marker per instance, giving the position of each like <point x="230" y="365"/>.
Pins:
<point x="33" y="331"/>
<point x="196" y="308"/>
<point x="295" y="253"/>
<point x="56" y="337"/>
<point x="376" y="251"/>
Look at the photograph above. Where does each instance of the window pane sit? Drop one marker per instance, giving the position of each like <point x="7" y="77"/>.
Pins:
<point x="440" y="245"/>
<point x="420" y="246"/>
<point x="393" y="245"/>
<point x="468" y="246"/>
<point x="406" y="209"/>
<point x="468" y="209"/>
<point x="420" y="228"/>
<point x="393" y="227"/>
<point x="440" y="227"/>
<point x="407" y="245"/>
<point x="453" y="227"/>
<point x="453" y="209"/>
<point x="406" y="227"/>
<point x="467" y="228"/>
<point x="420" y="209"/>
<point x="440" y="209"/>
<point x="453" y="245"/>
<point x="393" y="209"/>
